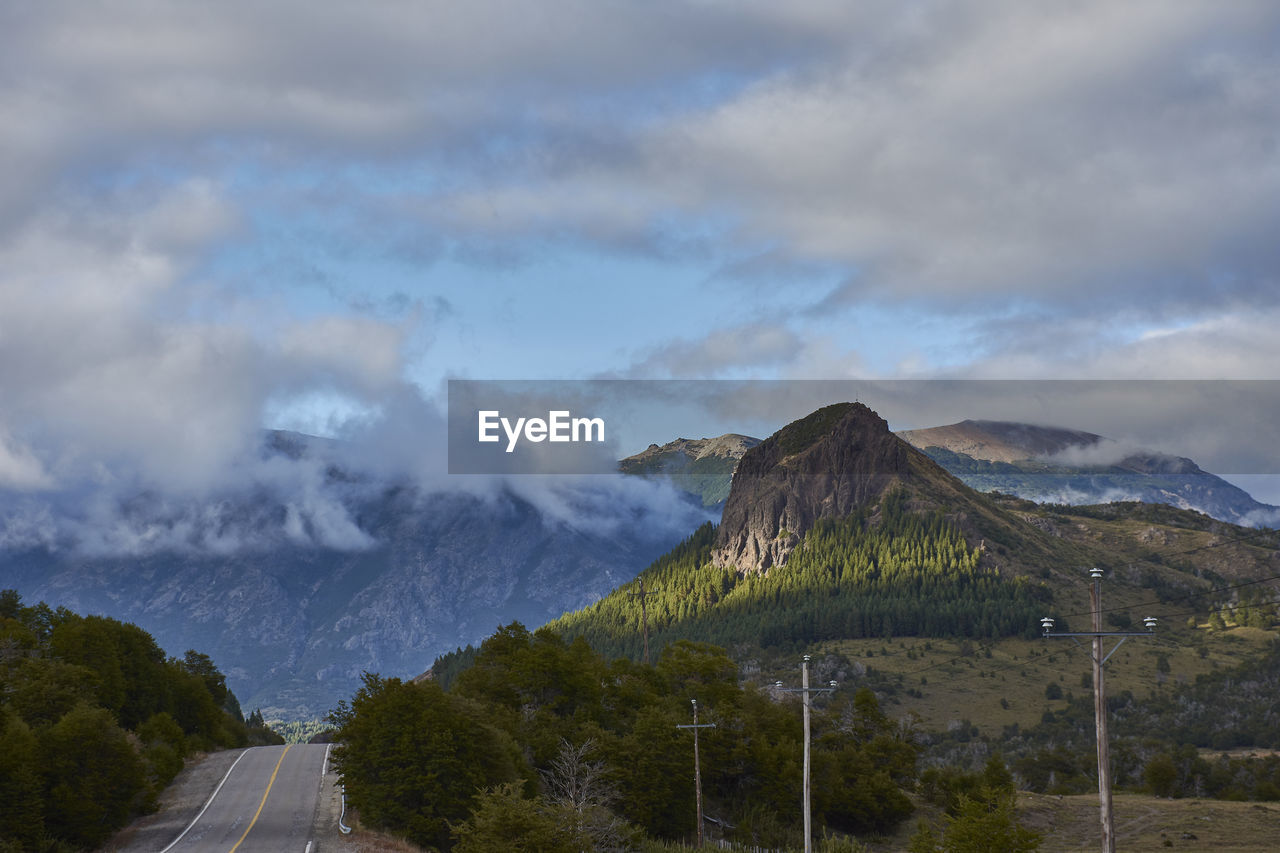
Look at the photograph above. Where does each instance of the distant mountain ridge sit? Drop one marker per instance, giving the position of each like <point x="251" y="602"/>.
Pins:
<point x="1040" y="463"/>
<point x="295" y="600"/>
<point x="1000" y="441"/>
<point x="1054" y="465"/>
<point x="700" y="466"/>
<point x="293" y="619"/>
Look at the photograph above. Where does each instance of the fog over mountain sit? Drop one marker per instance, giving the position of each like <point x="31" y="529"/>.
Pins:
<point x="308" y="561"/>
<point x="1067" y="466"/>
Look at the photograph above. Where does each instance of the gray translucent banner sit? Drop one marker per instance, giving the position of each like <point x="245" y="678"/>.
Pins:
<point x="1228" y="427"/>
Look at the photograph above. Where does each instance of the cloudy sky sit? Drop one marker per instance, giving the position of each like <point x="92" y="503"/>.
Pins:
<point x="219" y="216"/>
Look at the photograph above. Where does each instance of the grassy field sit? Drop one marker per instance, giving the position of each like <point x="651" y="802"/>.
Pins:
<point x="993" y="685"/>
<point x="1145" y="824"/>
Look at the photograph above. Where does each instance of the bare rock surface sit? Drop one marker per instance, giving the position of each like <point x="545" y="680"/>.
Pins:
<point x="827" y="464"/>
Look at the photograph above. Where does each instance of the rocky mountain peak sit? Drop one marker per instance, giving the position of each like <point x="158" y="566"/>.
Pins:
<point x="730" y="446"/>
<point x="1001" y="441"/>
<point x="827" y="464"/>
<point x="702" y="467"/>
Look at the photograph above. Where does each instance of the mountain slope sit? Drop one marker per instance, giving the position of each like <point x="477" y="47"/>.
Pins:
<point x="836" y="527"/>
<point x="703" y="467"/>
<point x="1000" y="441"/>
<point x="1045" y="464"/>
<point x="835" y="461"/>
<point x="294" y="621"/>
<point x="1053" y="465"/>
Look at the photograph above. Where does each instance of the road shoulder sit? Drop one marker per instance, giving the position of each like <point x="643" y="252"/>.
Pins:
<point x="179" y="804"/>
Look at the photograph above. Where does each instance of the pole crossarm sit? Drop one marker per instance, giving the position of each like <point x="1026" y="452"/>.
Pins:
<point x="1100" y="634"/>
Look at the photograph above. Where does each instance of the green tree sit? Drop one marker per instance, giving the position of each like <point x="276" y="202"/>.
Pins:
<point x="504" y="821"/>
<point x="87" y="642"/>
<point x="1161" y="776"/>
<point x="538" y="688"/>
<point x="42" y="690"/>
<point x="202" y="666"/>
<point x="654" y="764"/>
<point x="862" y="761"/>
<point x="94" y="777"/>
<point x="985" y="824"/>
<point x="21" y="806"/>
<point x="413" y="757"/>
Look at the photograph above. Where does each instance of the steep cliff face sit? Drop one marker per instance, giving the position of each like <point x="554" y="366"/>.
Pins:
<point x="827" y="464"/>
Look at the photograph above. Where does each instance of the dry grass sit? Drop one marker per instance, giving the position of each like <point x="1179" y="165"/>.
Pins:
<point x="1018" y="671"/>
<point x="368" y="841"/>
<point x="1145" y="823"/>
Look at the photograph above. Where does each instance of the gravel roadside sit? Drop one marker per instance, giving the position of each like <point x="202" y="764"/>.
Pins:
<point x="179" y="804"/>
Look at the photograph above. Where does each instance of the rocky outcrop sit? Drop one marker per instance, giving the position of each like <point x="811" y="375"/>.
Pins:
<point x="702" y="467"/>
<point x="828" y="464"/>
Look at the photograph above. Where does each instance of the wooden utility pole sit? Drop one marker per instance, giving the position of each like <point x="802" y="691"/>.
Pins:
<point x="1100" y="721"/>
<point x="697" y="769"/>
<point x="644" y="611"/>
<point x="1097" y="635"/>
<point x="804" y="688"/>
<point x="805" y="692"/>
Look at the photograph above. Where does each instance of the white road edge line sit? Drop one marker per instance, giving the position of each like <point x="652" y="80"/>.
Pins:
<point x="324" y="768"/>
<point x="308" y="850"/>
<point x="209" y="803"/>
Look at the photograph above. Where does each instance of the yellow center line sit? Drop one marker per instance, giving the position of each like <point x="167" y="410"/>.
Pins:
<point x="270" y="782"/>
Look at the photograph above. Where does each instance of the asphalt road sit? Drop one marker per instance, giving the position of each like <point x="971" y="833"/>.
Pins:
<point x="266" y="804"/>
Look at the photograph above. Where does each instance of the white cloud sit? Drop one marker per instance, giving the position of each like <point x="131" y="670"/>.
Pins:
<point x="1237" y="342"/>
<point x="113" y="366"/>
<point x="720" y="351"/>
<point x="1100" y="151"/>
<point x="20" y="470"/>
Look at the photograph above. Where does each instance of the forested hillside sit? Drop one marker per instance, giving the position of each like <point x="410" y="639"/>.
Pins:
<point x="95" y="720"/>
<point x="879" y="572"/>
